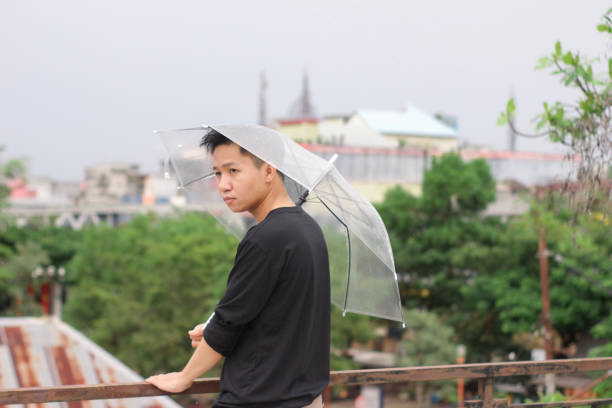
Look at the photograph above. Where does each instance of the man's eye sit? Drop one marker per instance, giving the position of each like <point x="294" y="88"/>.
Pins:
<point x="217" y="174"/>
<point x="233" y="170"/>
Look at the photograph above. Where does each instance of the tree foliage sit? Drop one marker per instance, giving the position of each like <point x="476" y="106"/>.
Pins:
<point x="31" y="247"/>
<point x="11" y="169"/>
<point x="439" y="243"/>
<point x="469" y="189"/>
<point x="16" y="278"/>
<point x="579" y="271"/>
<point x="481" y="275"/>
<point x="429" y="232"/>
<point x="344" y="331"/>
<point x="584" y="126"/>
<point x="428" y="341"/>
<point x="140" y="287"/>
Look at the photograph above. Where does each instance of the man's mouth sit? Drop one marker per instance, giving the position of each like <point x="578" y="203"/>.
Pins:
<point x="228" y="199"/>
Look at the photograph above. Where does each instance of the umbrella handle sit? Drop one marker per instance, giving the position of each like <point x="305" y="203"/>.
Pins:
<point x="302" y="198"/>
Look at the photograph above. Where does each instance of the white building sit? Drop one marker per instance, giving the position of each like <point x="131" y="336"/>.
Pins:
<point x="409" y="127"/>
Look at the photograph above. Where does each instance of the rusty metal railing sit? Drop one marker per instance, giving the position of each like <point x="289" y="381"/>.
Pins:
<point x="486" y="374"/>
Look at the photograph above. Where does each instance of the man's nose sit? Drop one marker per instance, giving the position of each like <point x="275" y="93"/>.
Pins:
<point x="224" y="183"/>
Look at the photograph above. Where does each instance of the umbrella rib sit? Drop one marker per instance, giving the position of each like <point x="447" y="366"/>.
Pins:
<point x="333" y="194"/>
<point x="205" y="176"/>
<point x="181" y="129"/>
<point x="365" y="219"/>
<point x="345" y="211"/>
<point x="320" y="193"/>
<point x="348" y="238"/>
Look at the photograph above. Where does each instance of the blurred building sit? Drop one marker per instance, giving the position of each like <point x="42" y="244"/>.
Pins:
<point x="162" y="188"/>
<point x="305" y="130"/>
<point x="43" y="192"/>
<point x="409" y="127"/>
<point x="374" y="170"/>
<point x="112" y="193"/>
<point x="113" y="183"/>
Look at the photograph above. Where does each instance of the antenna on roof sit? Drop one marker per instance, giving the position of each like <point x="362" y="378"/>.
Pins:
<point x="263" y="85"/>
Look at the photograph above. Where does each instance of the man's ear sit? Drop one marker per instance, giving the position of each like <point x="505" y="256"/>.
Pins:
<point x="269" y="172"/>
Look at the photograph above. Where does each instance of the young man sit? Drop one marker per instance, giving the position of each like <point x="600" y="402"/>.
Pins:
<point x="272" y="324"/>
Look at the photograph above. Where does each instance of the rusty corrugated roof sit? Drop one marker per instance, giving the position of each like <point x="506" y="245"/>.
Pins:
<point x="42" y="352"/>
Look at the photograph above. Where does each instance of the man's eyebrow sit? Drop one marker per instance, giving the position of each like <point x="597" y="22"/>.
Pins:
<point x="226" y="164"/>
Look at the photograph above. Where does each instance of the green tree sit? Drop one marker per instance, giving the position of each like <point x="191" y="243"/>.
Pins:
<point x="140" y="287"/>
<point x="428" y="341"/>
<point x="453" y="187"/>
<point x="11" y="169"/>
<point x="584" y="126"/>
<point x="482" y="275"/>
<point x="433" y="235"/>
<point x="439" y="244"/>
<point x="579" y="274"/>
<point x="58" y="244"/>
<point x="16" y="278"/>
<point x="344" y="331"/>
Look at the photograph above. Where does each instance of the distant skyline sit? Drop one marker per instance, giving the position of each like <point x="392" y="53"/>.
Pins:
<point x="87" y="82"/>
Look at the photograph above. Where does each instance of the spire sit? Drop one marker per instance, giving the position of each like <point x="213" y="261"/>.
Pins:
<point x="302" y="107"/>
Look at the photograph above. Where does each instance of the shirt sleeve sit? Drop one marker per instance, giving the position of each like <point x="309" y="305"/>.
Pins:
<point x="250" y="284"/>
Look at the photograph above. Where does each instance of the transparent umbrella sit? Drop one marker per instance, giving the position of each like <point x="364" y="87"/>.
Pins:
<point x="362" y="272"/>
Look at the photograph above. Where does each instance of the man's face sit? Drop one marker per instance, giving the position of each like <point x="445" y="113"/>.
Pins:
<point x="241" y="184"/>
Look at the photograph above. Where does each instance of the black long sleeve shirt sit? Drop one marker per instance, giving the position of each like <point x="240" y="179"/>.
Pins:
<point x="272" y="324"/>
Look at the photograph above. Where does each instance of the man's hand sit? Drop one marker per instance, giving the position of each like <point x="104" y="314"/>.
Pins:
<point x="196" y="335"/>
<point x="203" y="359"/>
<point x="171" y="382"/>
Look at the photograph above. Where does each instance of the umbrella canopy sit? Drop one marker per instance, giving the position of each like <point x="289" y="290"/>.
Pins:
<point x="362" y="272"/>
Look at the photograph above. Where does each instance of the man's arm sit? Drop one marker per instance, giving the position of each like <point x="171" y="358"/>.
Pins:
<point x="252" y="280"/>
<point x="203" y="359"/>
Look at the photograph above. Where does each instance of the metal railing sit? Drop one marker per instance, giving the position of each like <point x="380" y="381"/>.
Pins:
<point x="485" y="374"/>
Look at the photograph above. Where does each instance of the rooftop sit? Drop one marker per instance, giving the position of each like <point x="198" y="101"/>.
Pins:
<point x="45" y="352"/>
<point x="409" y="121"/>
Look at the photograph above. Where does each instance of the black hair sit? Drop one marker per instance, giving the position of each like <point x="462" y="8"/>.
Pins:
<point x="212" y="139"/>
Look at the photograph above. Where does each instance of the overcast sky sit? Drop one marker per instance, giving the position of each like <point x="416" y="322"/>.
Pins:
<point x="85" y="82"/>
